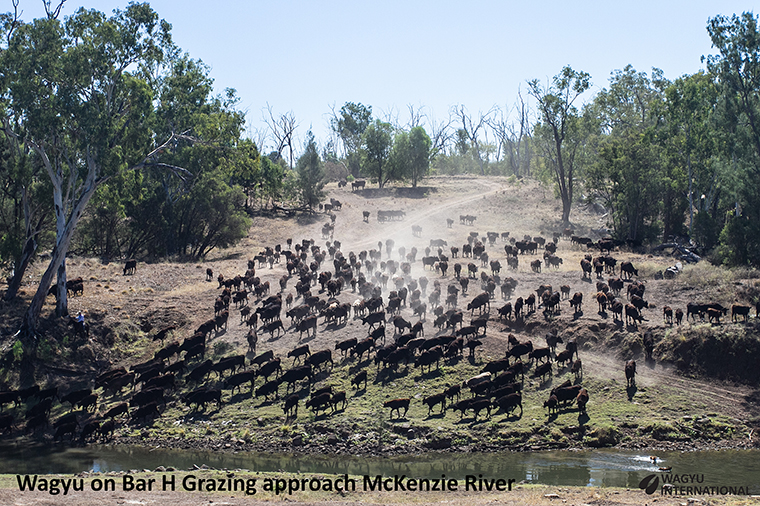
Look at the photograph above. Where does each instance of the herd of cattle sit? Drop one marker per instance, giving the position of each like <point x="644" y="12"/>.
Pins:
<point x="393" y="345"/>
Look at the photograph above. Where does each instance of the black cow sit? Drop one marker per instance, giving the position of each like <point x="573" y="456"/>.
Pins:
<point x="130" y="267"/>
<point x="320" y="358"/>
<point x="630" y="373"/>
<point x="509" y="402"/>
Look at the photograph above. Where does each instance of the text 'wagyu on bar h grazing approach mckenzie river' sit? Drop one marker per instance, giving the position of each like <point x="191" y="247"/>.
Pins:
<point x="276" y="486"/>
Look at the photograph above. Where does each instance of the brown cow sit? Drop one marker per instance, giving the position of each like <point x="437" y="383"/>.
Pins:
<point x="396" y="405"/>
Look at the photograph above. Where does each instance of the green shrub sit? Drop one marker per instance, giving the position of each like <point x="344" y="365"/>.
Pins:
<point x="18" y="351"/>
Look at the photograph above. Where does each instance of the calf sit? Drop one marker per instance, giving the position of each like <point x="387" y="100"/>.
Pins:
<point x="576" y="302"/>
<point x="552" y="403"/>
<point x="582" y="400"/>
<point x="542" y="370"/>
<point x="290" y="408"/>
<point x="714" y="314"/>
<point x="630" y="373"/>
<point x="130" y="267"/>
<point x="577" y="369"/>
<point x="359" y="379"/>
<point x="299" y="352"/>
<point x="396" y="405"/>
<point x="739" y="310"/>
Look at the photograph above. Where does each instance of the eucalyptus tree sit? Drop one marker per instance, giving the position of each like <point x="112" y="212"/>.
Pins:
<point x="90" y="118"/>
<point x="410" y="155"/>
<point x="25" y="210"/>
<point x="349" y="125"/>
<point x="377" y="142"/>
<point x="311" y="174"/>
<point x="631" y="174"/>
<point x="691" y="136"/>
<point x="737" y="67"/>
<point x="560" y="128"/>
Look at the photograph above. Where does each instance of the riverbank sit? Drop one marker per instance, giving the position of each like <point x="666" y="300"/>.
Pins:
<point x="309" y="439"/>
<point x="253" y="489"/>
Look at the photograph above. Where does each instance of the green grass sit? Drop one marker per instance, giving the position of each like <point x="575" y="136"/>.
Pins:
<point x="655" y="412"/>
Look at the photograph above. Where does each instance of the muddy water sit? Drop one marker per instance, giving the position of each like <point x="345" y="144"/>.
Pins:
<point x="611" y="468"/>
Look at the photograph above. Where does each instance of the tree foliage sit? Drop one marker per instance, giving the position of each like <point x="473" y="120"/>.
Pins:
<point x="130" y="141"/>
<point x="410" y="155"/>
<point x="349" y="124"/>
<point x="311" y="174"/>
<point x="560" y="130"/>
<point x="377" y="141"/>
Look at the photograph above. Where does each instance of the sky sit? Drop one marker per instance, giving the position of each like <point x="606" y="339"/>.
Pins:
<point x="308" y="58"/>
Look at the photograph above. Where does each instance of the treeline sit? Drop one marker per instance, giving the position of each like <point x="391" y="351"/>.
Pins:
<point x="667" y="159"/>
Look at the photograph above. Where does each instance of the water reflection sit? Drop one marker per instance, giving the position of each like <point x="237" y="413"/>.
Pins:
<point x="563" y="468"/>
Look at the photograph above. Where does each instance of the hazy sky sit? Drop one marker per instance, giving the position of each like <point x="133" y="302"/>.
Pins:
<point x="304" y="57"/>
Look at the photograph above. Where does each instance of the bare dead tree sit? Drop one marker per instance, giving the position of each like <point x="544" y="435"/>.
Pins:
<point x="50" y="12"/>
<point x="440" y="135"/>
<point x="258" y="136"/>
<point x="416" y="116"/>
<point x="391" y="116"/>
<point x="12" y="20"/>
<point x="475" y="131"/>
<point x="513" y="133"/>
<point x="282" y="129"/>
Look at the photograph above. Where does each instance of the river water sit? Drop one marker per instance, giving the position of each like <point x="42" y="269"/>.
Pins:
<point x="607" y="467"/>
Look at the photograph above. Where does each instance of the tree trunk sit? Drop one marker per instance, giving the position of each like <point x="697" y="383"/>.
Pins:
<point x="691" y="185"/>
<point x="64" y="233"/>
<point x="18" y="274"/>
<point x="62" y="301"/>
<point x="566" y="210"/>
<point x="29" y="248"/>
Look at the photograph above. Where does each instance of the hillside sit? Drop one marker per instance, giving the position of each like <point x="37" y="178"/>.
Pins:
<point x="715" y="402"/>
